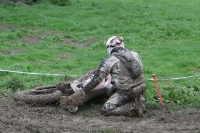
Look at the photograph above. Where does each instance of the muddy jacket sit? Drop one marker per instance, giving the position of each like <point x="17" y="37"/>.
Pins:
<point x="121" y="76"/>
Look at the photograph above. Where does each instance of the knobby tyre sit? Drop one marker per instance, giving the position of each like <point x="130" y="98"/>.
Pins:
<point x="41" y="96"/>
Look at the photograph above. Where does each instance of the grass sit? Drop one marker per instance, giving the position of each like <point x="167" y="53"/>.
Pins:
<point x="71" y="40"/>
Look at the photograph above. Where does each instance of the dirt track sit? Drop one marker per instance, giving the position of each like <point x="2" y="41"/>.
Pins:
<point x="18" y="118"/>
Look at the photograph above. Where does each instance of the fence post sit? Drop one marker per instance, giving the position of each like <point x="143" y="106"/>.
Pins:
<point x="157" y="88"/>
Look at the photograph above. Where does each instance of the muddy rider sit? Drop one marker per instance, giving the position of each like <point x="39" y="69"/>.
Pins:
<point x="125" y="68"/>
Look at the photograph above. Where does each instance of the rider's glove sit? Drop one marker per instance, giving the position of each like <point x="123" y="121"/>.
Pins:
<point x="80" y="85"/>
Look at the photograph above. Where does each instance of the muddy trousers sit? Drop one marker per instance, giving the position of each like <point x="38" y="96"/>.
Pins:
<point x="80" y="97"/>
<point x="131" y="103"/>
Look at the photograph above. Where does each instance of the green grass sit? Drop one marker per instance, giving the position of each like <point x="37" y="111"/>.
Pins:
<point x="72" y="41"/>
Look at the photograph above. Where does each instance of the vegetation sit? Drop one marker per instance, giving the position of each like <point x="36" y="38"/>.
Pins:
<point x="59" y="2"/>
<point x="46" y="38"/>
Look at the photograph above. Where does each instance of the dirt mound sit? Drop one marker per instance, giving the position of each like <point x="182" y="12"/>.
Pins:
<point x="19" y="117"/>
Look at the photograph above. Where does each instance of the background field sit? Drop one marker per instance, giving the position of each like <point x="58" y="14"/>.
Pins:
<point x="70" y="40"/>
<point x="45" y="38"/>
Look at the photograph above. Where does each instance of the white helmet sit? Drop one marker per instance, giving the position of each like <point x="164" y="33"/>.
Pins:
<point x="114" y="41"/>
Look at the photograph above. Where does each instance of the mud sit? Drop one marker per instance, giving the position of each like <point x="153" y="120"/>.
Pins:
<point x="18" y="117"/>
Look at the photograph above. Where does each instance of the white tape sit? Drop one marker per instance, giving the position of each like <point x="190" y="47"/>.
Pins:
<point x="1" y="70"/>
<point x="151" y="79"/>
<point x="175" y="78"/>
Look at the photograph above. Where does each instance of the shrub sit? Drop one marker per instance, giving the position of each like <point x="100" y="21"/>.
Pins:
<point x="60" y="2"/>
<point x="29" y="2"/>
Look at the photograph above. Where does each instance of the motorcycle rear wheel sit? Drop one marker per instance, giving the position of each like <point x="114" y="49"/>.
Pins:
<point x="43" y="96"/>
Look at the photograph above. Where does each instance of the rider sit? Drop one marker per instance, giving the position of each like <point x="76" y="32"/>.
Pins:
<point x="125" y="68"/>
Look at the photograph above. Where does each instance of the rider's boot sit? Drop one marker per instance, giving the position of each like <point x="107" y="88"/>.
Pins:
<point x="64" y="102"/>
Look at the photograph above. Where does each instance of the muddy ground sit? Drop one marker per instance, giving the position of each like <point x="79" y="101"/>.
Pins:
<point x="22" y="118"/>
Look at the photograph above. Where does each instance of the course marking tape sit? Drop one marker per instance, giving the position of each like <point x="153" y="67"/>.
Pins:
<point x="151" y="79"/>
<point x="176" y="78"/>
<point x="1" y="70"/>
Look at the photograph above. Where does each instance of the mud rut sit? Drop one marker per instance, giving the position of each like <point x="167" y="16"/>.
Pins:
<point x="18" y="117"/>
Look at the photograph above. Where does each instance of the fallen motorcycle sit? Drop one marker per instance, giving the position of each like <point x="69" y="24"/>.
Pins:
<point x="55" y="93"/>
<point x="52" y="93"/>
